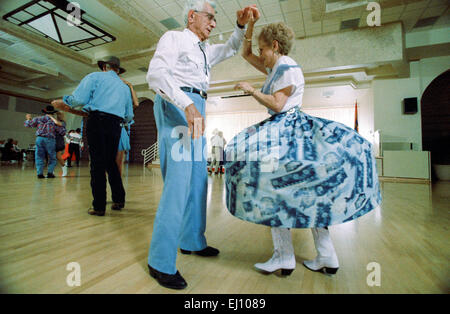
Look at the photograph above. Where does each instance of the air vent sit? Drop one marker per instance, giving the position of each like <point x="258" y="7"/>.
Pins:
<point x="6" y="42"/>
<point x="430" y="21"/>
<point x="340" y="5"/>
<point x="37" y="61"/>
<point x="170" y="23"/>
<point x="41" y="88"/>
<point x="328" y="93"/>
<point x="350" y="24"/>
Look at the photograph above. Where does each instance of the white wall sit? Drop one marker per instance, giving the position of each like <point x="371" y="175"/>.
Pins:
<point x="12" y="123"/>
<point x="389" y="118"/>
<point x="344" y="97"/>
<point x="428" y="69"/>
<point x="12" y="126"/>
<point x="388" y="96"/>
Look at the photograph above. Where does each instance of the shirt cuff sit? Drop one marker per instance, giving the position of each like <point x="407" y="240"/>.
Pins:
<point x="241" y="31"/>
<point x="184" y="102"/>
<point x="71" y="102"/>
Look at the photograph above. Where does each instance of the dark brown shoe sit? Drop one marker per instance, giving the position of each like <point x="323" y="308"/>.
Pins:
<point x="168" y="281"/>
<point x="94" y="212"/>
<point x="206" y="252"/>
<point x="117" y="206"/>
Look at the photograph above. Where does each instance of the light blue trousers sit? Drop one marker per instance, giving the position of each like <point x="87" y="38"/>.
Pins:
<point x="180" y="221"/>
<point x="45" y="146"/>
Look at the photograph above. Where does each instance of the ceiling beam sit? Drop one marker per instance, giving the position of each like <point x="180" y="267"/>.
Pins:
<point x="28" y="65"/>
<point x="9" y="92"/>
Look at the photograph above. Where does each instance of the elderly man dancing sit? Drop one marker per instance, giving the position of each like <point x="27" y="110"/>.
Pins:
<point x="179" y="73"/>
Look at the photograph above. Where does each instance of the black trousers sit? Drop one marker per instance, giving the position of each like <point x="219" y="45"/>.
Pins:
<point x="103" y="134"/>
<point x="74" y="148"/>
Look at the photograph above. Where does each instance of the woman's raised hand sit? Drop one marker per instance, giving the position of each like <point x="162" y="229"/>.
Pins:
<point x="255" y="15"/>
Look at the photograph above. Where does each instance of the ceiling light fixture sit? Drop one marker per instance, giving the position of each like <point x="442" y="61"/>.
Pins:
<point x="61" y="21"/>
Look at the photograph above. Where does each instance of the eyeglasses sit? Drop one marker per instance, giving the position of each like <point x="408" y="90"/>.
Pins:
<point x="210" y="16"/>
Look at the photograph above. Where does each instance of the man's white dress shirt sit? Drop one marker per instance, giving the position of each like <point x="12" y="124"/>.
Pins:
<point x="179" y="62"/>
<point x="217" y="141"/>
<point x="75" y="138"/>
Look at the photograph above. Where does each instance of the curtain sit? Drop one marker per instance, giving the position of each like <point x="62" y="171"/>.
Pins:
<point x="231" y="123"/>
<point x="344" y="115"/>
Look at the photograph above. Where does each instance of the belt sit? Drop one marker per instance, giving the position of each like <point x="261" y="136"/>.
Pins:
<point x="104" y="114"/>
<point x="196" y="91"/>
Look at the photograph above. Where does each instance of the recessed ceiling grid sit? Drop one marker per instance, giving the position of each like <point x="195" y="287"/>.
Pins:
<point x="47" y="18"/>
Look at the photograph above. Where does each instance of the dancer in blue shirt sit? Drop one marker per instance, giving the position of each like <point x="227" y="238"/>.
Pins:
<point x="108" y="101"/>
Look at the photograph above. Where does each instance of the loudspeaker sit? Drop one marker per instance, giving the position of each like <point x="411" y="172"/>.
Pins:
<point x="410" y="105"/>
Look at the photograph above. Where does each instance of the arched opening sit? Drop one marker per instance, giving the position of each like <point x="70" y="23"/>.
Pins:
<point x="143" y="131"/>
<point x="435" y="107"/>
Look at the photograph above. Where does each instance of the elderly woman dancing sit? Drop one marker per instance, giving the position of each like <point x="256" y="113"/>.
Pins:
<point x="294" y="170"/>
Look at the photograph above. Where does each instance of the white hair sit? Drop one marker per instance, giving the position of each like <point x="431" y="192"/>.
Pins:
<point x="196" y="5"/>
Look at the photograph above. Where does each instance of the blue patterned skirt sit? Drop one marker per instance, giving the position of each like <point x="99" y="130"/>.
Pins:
<point x="124" y="143"/>
<point x="294" y="170"/>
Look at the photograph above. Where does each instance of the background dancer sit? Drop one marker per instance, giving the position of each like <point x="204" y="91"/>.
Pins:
<point x="45" y="140"/>
<point x="109" y="102"/>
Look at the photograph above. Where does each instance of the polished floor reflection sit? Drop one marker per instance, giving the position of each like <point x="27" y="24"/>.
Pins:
<point x="44" y="226"/>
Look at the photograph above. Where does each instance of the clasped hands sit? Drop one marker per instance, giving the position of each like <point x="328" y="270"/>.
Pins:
<point x="248" y="14"/>
<point x="195" y="121"/>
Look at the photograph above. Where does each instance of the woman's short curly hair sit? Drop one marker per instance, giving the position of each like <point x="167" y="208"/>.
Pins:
<point x="280" y="32"/>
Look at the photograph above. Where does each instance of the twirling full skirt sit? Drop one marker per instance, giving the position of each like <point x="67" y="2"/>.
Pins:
<point x="294" y="170"/>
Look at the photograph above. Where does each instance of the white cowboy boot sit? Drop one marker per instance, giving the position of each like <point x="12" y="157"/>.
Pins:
<point x="283" y="256"/>
<point x="326" y="260"/>
<point x="64" y="171"/>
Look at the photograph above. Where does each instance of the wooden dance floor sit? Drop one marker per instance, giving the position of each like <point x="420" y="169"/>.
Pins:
<point x="44" y="226"/>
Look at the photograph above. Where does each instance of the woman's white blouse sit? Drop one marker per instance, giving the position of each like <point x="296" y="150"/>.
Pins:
<point x="292" y="77"/>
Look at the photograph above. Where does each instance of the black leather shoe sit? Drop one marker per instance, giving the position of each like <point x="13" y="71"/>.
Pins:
<point x="117" y="206"/>
<point x="206" y="252"/>
<point x="94" y="212"/>
<point x="168" y="281"/>
<point x="41" y="176"/>
<point x="50" y="176"/>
